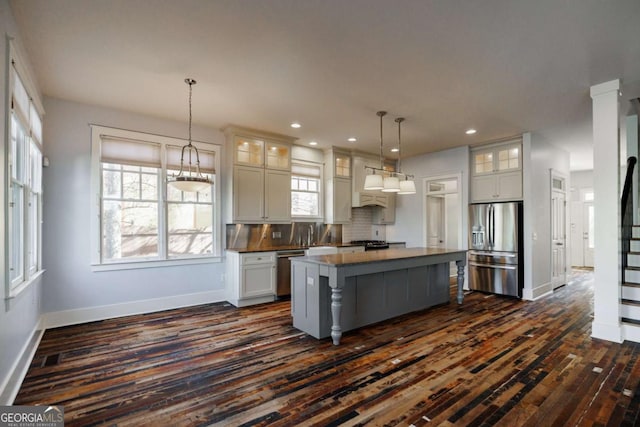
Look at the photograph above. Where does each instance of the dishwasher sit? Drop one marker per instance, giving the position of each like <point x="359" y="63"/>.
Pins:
<point x="283" y="282"/>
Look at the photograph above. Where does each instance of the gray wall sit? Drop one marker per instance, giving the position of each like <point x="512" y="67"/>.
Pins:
<point x="537" y="209"/>
<point x="409" y="226"/>
<point x="19" y="317"/>
<point x="69" y="282"/>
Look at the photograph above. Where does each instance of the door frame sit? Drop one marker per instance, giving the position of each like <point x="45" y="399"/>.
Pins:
<point x="425" y="186"/>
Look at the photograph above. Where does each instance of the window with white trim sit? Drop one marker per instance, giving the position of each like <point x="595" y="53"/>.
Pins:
<point x="306" y="190"/>
<point x="24" y="216"/>
<point x="139" y="218"/>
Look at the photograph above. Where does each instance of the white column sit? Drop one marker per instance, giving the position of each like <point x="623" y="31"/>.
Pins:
<point x="606" y="171"/>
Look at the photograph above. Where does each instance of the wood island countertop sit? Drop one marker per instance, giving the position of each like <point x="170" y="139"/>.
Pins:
<point x="379" y="255"/>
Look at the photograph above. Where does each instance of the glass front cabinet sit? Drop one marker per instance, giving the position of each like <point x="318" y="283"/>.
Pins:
<point x="496" y="172"/>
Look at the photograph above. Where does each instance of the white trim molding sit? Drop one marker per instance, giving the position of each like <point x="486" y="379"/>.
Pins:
<point x="92" y="314"/>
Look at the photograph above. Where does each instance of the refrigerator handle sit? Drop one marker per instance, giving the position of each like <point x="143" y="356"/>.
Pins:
<point x="493" y="225"/>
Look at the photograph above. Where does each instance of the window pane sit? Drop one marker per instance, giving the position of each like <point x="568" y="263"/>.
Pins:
<point x="16" y="223"/>
<point x="34" y="233"/>
<point x="130" y="229"/>
<point x="111" y="184"/>
<point x="149" y="186"/>
<point x="304" y="204"/>
<point x="190" y="229"/>
<point x="130" y="185"/>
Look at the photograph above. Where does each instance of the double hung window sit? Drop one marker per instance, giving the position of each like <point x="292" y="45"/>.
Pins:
<point x="306" y="193"/>
<point x="139" y="218"/>
<point x="24" y="216"/>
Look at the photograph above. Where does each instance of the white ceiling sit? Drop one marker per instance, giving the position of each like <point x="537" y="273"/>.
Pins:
<point x="501" y="66"/>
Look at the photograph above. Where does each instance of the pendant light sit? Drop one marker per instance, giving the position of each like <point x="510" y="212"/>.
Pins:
<point x="189" y="179"/>
<point x="407" y="186"/>
<point x="373" y="181"/>
<point x="391" y="183"/>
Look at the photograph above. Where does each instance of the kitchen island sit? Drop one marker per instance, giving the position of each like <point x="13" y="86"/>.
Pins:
<point x="335" y="293"/>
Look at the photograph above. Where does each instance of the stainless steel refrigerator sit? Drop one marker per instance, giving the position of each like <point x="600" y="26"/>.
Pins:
<point x="495" y="248"/>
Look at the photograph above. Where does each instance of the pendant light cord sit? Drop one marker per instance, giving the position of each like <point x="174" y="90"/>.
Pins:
<point x="398" y="121"/>
<point x="381" y="114"/>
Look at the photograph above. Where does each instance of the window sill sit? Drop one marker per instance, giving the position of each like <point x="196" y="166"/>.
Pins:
<point x="132" y="265"/>
<point x="13" y="293"/>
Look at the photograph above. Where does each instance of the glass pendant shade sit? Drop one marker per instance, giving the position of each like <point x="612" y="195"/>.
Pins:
<point x="373" y="182"/>
<point x="407" y="187"/>
<point x="189" y="184"/>
<point x="391" y="184"/>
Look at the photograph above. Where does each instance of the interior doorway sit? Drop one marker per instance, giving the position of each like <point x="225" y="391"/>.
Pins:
<point x="558" y="230"/>
<point x="582" y="230"/>
<point x="443" y="213"/>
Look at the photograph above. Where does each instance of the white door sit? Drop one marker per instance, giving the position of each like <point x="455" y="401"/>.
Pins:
<point x="435" y="221"/>
<point x="443" y="215"/>
<point x="587" y="234"/>
<point x="558" y="233"/>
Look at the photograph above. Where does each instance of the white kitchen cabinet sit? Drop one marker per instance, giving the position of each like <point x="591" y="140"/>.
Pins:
<point x="260" y="191"/>
<point x="337" y="187"/>
<point x="385" y="214"/>
<point x="251" y="277"/>
<point x="496" y="172"/>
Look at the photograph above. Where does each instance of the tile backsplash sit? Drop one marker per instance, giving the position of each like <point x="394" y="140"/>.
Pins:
<point x="362" y="227"/>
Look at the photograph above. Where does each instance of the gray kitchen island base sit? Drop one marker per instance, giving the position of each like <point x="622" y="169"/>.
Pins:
<point x="332" y="294"/>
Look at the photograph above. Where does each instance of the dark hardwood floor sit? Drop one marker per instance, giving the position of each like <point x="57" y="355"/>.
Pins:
<point x="491" y="361"/>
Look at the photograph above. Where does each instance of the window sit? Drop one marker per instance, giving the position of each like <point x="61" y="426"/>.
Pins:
<point x="25" y="184"/>
<point x="306" y="190"/>
<point x="139" y="218"/>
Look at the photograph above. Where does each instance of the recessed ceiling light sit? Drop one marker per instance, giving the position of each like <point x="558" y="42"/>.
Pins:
<point x="470" y="131"/>
<point x="296" y="125"/>
<point x="313" y="143"/>
<point x="394" y="150"/>
<point x="352" y="139"/>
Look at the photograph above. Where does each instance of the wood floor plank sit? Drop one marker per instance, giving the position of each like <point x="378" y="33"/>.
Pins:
<point x="491" y="361"/>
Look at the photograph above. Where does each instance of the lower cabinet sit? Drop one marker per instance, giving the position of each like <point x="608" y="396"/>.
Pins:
<point x="251" y="277"/>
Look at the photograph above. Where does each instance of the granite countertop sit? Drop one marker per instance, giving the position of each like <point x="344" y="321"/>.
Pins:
<point x="375" y="256"/>
<point x="287" y="247"/>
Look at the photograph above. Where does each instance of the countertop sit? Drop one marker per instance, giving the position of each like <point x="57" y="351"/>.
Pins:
<point x="375" y="256"/>
<point x="288" y="248"/>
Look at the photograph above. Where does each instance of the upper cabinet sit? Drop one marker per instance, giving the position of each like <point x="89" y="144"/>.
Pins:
<point x="337" y="187"/>
<point x="260" y="191"/>
<point x="496" y="172"/>
<point x="261" y="153"/>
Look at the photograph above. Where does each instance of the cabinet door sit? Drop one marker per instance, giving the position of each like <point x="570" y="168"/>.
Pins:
<point x="341" y="201"/>
<point x="248" y="151"/>
<point x="509" y="185"/>
<point x="386" y="215"/>
<point x="258" y="280"/>
<point x="483" y="188"/>
<point x="248" y="194"/>
<point x="277" y="196"/>
<point x="278" y="156"/>
<point x="342" y="165"/>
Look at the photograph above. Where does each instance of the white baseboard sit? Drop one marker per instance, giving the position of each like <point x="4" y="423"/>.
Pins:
<point x="11" y="385"/>
<point x="92" y="314"/>
<point x="605" y="331"/>
<point x="540" y="291"/>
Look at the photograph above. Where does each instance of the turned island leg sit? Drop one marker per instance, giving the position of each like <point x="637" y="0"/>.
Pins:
<point x="336" y="308"/>
<point x="460" y="265"/>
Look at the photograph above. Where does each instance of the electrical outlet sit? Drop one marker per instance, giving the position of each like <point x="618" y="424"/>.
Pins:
<point x="310" y="281"/>
<point x="276" y="235"/>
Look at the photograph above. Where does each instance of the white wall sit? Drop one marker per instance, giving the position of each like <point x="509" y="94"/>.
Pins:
<point x="70" y="284"/>
<point x="409" y="226"/>
<point x="19" y="317"/>
<point x="540" y="157"/>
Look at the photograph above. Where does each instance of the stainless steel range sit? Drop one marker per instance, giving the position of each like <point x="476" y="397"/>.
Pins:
<point x="371" y="245"/>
